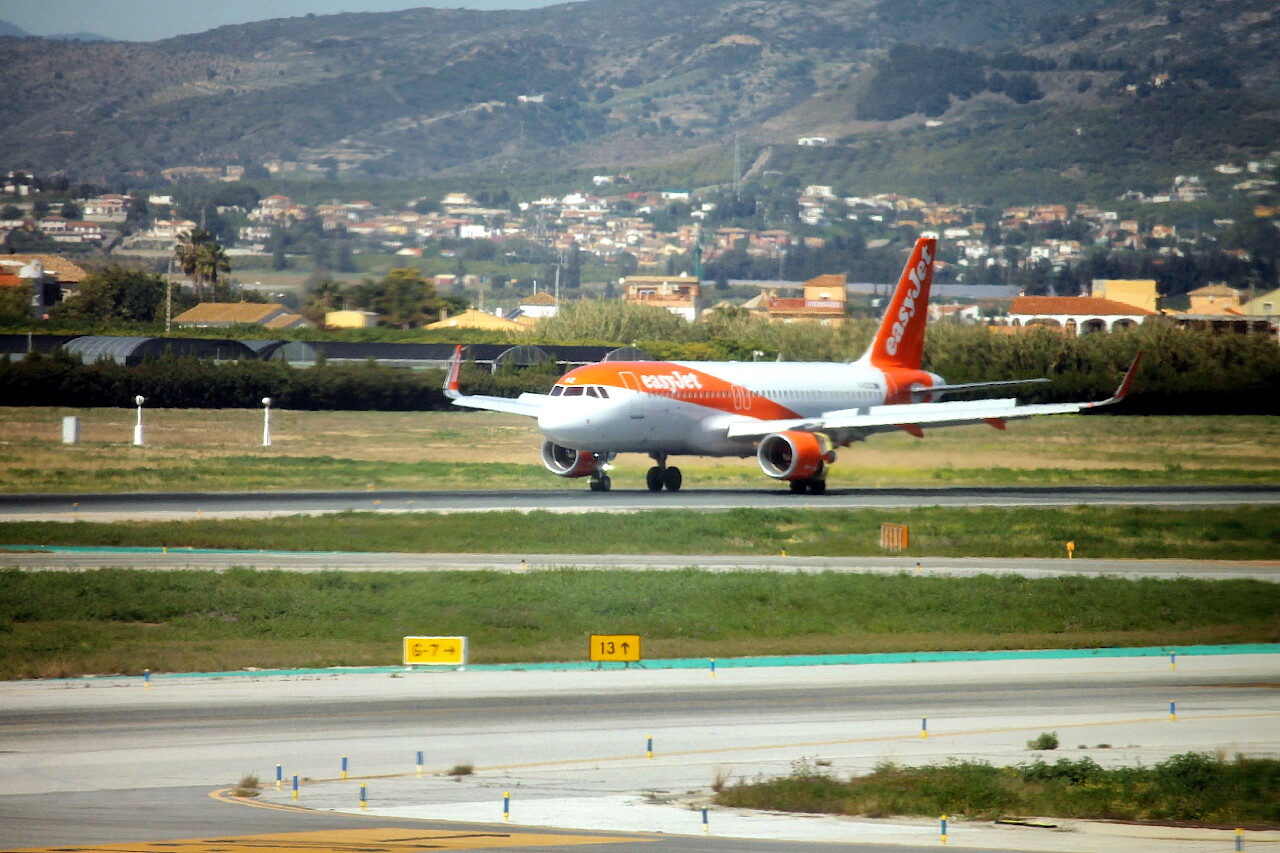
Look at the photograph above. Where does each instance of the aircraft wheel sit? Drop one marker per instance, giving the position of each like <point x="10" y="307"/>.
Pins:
<point x="653" y="479"/>
<point x="672" y="479"/>
<point x="798" y="486"/>
<point x="594" y="485"/>
<point x="817" y="487"/>
<point x="605" y="483"/>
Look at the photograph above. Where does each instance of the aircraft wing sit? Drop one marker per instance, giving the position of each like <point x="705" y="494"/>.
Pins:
<point x="913" y="417"/>
<point x="525" y="404"/>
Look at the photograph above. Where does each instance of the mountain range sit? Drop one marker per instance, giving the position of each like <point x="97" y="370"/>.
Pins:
<point x="939" y="97"/>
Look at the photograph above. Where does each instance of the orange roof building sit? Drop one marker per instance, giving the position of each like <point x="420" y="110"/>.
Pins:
<point x="1076" y="314"/>
<point x="55" y="266"/>
<point x="271" y="315"/>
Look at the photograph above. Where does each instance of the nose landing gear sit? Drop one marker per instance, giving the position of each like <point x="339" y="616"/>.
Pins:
<point x="660" y="476"/>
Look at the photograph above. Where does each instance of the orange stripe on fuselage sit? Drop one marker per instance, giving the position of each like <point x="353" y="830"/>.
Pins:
<point x="680" y="382"/>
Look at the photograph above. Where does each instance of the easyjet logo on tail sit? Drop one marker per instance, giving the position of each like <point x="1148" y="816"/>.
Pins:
<point x="908" y="309"/>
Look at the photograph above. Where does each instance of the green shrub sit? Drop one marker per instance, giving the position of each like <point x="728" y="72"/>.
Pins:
<point x="1045" y="740"/>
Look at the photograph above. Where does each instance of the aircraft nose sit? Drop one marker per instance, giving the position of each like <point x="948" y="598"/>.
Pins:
<point x="574" y="423"/>
<point x="553" y="418"/>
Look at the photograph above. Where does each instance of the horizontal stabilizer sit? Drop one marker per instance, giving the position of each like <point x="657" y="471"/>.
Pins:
<point x="965" y="387"/>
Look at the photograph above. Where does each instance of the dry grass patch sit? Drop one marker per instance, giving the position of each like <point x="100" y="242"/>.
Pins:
<point x="222" y="450"/>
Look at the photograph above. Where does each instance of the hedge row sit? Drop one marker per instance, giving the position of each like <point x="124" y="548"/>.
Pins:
<point x="1183" y="372"/>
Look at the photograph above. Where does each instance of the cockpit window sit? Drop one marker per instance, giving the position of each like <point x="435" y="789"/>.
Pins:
<point x="604" y="392"/>
<point x="591" y="391"/>
<point x="573" y="391"/>
<point x="557" y="390"/>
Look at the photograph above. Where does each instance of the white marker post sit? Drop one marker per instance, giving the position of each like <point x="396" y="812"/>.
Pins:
<point x="266" y="421"/>
<point x="137" y="428"/>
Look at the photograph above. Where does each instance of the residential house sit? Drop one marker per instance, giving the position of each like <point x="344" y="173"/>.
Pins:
<point x="112" y="207"/>
<point x="678" y="294"/>
<point x="1264" y="305"/>
<point x="971" y="313"/>
<point x="1220" y="309"/>
<point x="823" y="302"/>
<point x="539" y="305"/>
<point x="1216" y="299"/>
<point x="170" y="229"/>
<point x="50" y="278"/>
<point x="1138" y="292"/>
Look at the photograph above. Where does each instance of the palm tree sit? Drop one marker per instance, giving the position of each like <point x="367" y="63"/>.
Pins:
<point x="211" y="260"/>
<point x="187" y="251"/>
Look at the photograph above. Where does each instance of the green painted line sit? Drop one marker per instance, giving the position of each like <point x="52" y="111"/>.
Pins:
<point x="737" y="663"/>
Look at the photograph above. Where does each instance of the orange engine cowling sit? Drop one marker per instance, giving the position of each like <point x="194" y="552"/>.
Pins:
<point x="567" y="462"/>
<point x="795" y="455"/>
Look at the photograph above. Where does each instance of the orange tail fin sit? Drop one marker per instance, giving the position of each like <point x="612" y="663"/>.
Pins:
<point x="900" y="340"/>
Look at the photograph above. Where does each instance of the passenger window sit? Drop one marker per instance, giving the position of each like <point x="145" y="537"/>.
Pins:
<point x="573" y="391"/>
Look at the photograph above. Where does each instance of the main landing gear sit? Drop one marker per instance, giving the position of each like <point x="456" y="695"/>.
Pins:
<point x="600" y="482"/>
<point x="813" y="486"/>
<point x="660" y="476"/>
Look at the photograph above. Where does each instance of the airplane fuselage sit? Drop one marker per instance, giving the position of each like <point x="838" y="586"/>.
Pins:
<point x="681" y="408"/>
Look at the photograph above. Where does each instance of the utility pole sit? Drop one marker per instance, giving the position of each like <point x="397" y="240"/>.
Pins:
<point x="168" y="299"/>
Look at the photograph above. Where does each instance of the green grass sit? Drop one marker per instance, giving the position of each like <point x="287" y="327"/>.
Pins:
<point x="1188" y="787"/>
<point x="123" y="620"/>
<point x="1238" y="533"/>
<point x="220" y="450"/>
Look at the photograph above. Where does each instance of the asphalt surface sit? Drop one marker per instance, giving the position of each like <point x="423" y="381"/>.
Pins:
<point x="97" y="761"/>
<point x="67" y="507"/>
<point x="75" y="559"/>
<point x="93" y="762"/>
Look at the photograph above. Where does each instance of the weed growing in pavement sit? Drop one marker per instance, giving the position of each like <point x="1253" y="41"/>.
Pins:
<point x="1193" y="787"/>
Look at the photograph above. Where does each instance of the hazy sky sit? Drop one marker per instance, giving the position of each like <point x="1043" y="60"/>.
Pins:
<point x="148" y="20"/>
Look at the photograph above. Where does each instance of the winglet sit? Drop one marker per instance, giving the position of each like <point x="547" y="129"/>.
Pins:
<point x="451" y="376"/>
<point x="1125" y="384"/>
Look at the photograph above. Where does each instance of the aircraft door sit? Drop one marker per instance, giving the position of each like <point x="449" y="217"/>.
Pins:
<point x="741" y="399"/>
<point x="635" y="408"/>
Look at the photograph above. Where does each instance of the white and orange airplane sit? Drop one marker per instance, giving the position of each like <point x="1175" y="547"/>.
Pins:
<point x="790" y="415"/>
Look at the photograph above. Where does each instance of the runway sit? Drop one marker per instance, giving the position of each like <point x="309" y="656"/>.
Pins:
<point x="86" y="558"/>
<point x="177" y="505"/>
<point x="94" y="762"/>
<point x="97" y="761"/>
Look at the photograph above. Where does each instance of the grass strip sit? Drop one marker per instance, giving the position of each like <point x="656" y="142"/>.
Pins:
<point x="1238" y="533"/>
<point x="1194" y="787"/>
<point x="55" y="624"/>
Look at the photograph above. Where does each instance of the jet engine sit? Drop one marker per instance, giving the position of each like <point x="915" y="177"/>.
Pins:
<point x="567" y="462"/>
<point x="794" y="455"/>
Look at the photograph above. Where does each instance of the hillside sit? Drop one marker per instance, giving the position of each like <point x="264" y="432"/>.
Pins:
<point x="1074" y="96"/>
